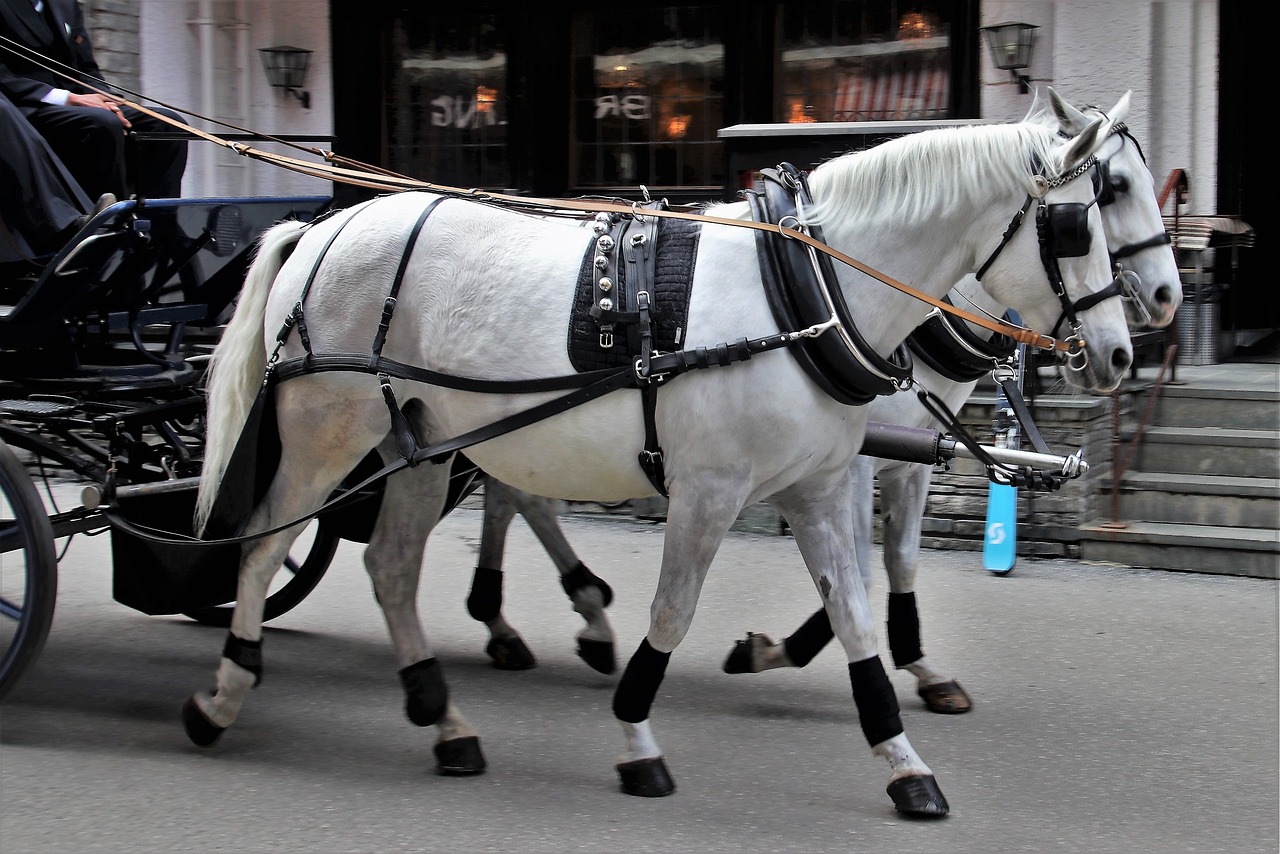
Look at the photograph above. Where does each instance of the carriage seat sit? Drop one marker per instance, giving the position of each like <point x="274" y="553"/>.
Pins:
<point x="118" y="301"/>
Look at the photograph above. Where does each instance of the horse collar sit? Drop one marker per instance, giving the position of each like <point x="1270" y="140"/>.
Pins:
<point x="800" y="285"/>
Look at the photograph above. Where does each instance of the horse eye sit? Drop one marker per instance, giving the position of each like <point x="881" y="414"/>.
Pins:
<point x="1119" y="184"/>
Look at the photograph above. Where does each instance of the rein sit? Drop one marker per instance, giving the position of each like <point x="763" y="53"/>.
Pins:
<point x="379" y="179"/>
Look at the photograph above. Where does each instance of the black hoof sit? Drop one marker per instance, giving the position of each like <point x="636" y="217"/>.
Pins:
<point x="202" y="731"/>
<point x="510" y="654"/>
<point x="646" y="778"/>
<point x="742" y="658"/>
<point x="946" y="698"/>
<point x="460" y="757"/>
<point x="918" y="796"/>
<point x="739" y="660"/>
<point x="598" y="655"/>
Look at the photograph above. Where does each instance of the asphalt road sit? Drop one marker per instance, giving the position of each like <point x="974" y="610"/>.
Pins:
<point x="1116" y="710"/>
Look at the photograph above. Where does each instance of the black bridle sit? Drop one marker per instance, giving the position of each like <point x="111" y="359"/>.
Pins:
<point x="1062" y="229"/>
<point x="1105" y="187"/>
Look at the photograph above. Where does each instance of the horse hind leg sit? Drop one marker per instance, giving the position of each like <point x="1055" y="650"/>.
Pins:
<point x="505" y="648"/>
<point x="294" y="492"/>
<point x="410" y="508"/>
<point x="589" y="594"/>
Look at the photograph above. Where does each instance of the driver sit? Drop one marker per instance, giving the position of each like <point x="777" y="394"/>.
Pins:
<point x="41" y="205"/>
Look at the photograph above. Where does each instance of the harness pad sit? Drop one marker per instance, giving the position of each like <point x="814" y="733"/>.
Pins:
<point x="672" y="262"/>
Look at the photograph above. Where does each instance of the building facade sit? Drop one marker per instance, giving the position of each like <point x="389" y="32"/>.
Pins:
<point x="579" y="98"/>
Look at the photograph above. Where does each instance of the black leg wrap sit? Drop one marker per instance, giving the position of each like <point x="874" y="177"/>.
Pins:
<point x="580" y="577"/>
<point x="904" y="629"/>
<point x="876" y="702"/>
<point x="639" y="683"/>
<point x="426" y="695"/>
<point x="246" y="654"/>
<point x="808" y="640"/>
<point x="485" y="600"/>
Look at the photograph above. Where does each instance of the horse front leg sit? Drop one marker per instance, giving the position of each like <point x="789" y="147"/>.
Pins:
<point x="696" y="525"/>
<point x="903" y="494"/>
<point x="758" y="652"/>
<point x="819" y="522"/>
<point x="411" y="506"/>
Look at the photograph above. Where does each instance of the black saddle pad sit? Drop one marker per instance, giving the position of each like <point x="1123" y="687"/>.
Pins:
<point x="677" y="246"/>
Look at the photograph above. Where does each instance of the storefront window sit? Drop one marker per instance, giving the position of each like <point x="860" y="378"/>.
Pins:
<point x="447" y="116"/>
<point x="647" y="97"/>
<point x="864" y="60"/>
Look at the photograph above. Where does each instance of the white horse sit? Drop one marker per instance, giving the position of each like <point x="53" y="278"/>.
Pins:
<point x="1140" y="249"/>
<point x="484" y="293"/>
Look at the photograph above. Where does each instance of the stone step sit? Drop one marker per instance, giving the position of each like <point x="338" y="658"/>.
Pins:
<point x="1251" y="552"/>
<point x="1199" y="499"/>
<point x="1207" y="450"/>
<point x="1192" y="406"/>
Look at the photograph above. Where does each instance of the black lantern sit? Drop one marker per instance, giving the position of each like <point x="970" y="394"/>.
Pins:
<point x="286" y="69"/>
<point x="1010" y="44"/>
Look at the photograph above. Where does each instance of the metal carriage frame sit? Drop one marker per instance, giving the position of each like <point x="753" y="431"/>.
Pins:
<point x="102" y="354"/>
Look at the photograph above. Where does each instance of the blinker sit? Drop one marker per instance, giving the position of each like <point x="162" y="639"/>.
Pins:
<point x="1069" y="229"/>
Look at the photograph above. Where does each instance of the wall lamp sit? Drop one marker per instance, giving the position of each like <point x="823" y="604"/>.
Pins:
<point x="286" y="69"/>
<point x="1010" y="44"/>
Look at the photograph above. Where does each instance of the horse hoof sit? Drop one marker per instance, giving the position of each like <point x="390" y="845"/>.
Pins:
<point x="202" y="731"/>
<point x="918" y="796"/>
<point x="646" y="778"/>
<point x="460" y="757"/>
<point x="946" y="698"/>
<point x="598" y="655"/>
<point x="510" y="654"/>
<point x="745" y="655"/>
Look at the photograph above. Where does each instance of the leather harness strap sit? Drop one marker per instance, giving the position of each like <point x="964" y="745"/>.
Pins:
<point x="381" y="179"/>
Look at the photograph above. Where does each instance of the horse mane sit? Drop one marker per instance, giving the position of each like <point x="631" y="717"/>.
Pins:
<point x="935" y="171"/>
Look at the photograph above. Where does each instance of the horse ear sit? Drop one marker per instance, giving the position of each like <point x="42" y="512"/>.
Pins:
<point x="1070" y="120"/>
<point x="1121" y="109"/>
<point x="1084" y="143"/>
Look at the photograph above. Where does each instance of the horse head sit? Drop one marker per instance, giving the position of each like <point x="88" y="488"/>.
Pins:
<point x="1140" y="254"/>
<point x="1056" y="275"/>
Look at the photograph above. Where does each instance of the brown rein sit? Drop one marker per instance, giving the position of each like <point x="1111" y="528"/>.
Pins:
<point x="380" y="179"/>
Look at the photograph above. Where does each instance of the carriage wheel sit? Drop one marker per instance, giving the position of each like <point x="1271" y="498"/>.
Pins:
<point x="28" y="571"/>
<point x="292" y="583"/>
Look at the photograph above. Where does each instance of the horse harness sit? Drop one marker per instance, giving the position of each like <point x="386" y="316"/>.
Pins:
<point x="796" y="280"/>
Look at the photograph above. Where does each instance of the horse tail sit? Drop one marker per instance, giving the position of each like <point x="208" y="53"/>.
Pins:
<point x="238" y="364"/>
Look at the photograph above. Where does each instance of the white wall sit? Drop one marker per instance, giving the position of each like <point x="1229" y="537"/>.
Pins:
<point x="1093" y="51"/>
<point x="202" y="56"/>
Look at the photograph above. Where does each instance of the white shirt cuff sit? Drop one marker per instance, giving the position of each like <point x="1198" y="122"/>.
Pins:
<point x="57" y="97"/>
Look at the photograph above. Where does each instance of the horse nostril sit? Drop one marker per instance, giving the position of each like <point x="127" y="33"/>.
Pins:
<point x="1121" y="359"/>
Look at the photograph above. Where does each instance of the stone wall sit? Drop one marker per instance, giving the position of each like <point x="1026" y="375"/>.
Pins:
<point x="114" y="28"/>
